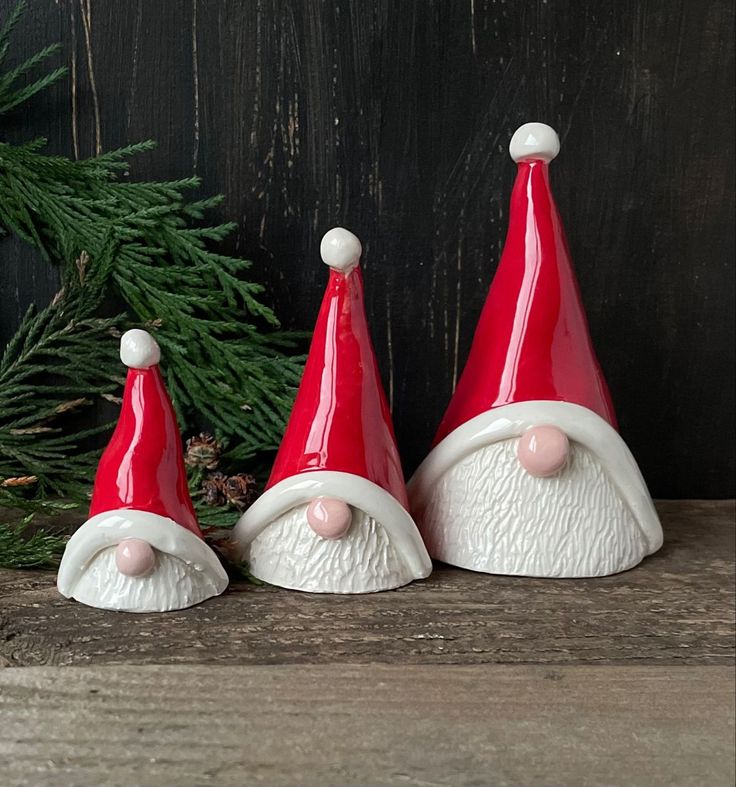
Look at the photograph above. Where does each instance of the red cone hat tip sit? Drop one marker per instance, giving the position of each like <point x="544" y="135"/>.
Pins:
<point x="532" y="341"/>
<point x="139" y="350"/>
<point x="341" y="250"/>
<point x="534" y="141"/>
<point x="340" y="421"/>
<point x="142" y="468"/>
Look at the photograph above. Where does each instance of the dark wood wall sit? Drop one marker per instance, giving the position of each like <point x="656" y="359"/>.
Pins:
<point x="392" y="119"/>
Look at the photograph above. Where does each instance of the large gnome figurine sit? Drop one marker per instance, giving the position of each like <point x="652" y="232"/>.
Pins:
<point x="141" y="550"/>
<point x="528" y="474"/>
<point x="333" y="518"/>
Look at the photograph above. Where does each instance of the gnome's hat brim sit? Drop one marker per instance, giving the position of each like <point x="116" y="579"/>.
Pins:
<point x="579" y="424"/>
<point x="354" y="490"/>
<point x="111" y="527"/>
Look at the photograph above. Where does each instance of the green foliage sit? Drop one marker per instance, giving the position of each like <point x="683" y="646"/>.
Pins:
<point x="58" y="362"/>
<point x="145" y="248"/>
<point x="219" y="366"/>
<point x="22" y="547"/>
<point x="37" y="550"/>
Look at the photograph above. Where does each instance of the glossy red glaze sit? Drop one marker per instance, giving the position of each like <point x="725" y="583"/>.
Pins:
<point x="143" y="466"/>
<point x="532" y="340"/>
<point x="341" y="419"/>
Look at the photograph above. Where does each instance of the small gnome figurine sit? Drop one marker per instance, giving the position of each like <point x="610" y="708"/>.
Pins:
<point x="141" y="550"/>
<point x="334" y="515"/>
<point x="528" y="474"/>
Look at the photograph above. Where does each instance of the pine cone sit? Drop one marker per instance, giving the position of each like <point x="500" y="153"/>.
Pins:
<point x="214" y="489"/>
<point x="241" y="490"/>
<point x="202" y="451"/>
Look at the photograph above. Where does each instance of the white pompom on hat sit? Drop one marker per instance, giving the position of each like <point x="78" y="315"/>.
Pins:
<point x="340" y="249"/>
<point x="534" y="141"/>
<point x="139" y="350"/>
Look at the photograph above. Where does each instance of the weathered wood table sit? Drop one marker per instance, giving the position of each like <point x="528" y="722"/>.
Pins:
<point x="463" y="679"/>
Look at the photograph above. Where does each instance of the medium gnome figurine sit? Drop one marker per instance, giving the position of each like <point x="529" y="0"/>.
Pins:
<point x="141" y="550"/>
<point x="333" y="517"/>
<point x="528" y="474"/>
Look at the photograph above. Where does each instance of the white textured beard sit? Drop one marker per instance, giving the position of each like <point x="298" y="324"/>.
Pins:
<point x="290" y="554"/>
<point x="173" y="584"/>
<point x="486" y="513"/>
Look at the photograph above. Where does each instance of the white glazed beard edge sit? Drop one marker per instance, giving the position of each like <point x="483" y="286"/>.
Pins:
<point x="194" y="568"/>
<point x="288" y="553"/>
<point x="581" y="425"/>
<point x="488" y="514"/>
<point x="173" y="584"/>
<point x="359" y="493"/>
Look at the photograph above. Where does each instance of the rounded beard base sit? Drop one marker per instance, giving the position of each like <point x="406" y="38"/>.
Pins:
<point x="488" y="514"/>
<point x="173" y="584"/>
<point x="290" y="554"/>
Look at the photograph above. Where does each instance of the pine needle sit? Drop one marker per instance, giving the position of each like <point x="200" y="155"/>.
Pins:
<point x="39" y="550"/>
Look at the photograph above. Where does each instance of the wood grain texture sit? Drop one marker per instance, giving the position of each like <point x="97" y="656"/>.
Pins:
<point x="675" y="608"/>
<point x="345" y="725"/>
<point x="392" y="119"/>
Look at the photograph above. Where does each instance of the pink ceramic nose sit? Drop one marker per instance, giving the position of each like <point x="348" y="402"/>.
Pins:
<point x="543" y="450"/>
<point x="329" y="518"/>
<point x="134" y="557"/>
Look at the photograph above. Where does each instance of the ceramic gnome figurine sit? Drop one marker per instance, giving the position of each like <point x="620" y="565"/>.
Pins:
<point x="333" y="518"/>
<point x="528" y="474"/>
<point x="141" y="550"/>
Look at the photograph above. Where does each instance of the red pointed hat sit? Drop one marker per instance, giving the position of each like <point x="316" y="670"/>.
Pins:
<point x="142" y="468"/>
<point x="341" y="420"/>
<point x="339" y="442"/>
<point x="532" y="341"/>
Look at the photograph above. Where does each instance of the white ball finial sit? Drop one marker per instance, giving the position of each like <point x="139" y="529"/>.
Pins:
<point x="534" y="141"/>
<point x="340" y="249"/>
<point x="139" y="350"/>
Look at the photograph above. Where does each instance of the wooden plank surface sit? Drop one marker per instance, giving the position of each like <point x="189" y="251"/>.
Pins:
<point x="675" y="608"/>
<point x="367" y="725"/>
<point x="392" y="119"/>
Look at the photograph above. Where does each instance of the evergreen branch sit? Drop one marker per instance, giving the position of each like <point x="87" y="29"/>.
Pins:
<point x="9" y="100"/>
<point x="38" y="550"/>
<point x="24" y="547"/>
<point x="143" y="249"/>
<point x="11" y="95"/>
<point x="11" y="76"/>
<point x="148" y="247"/>
<point x="7" y="29"/>
<point x="165" y="274"/>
